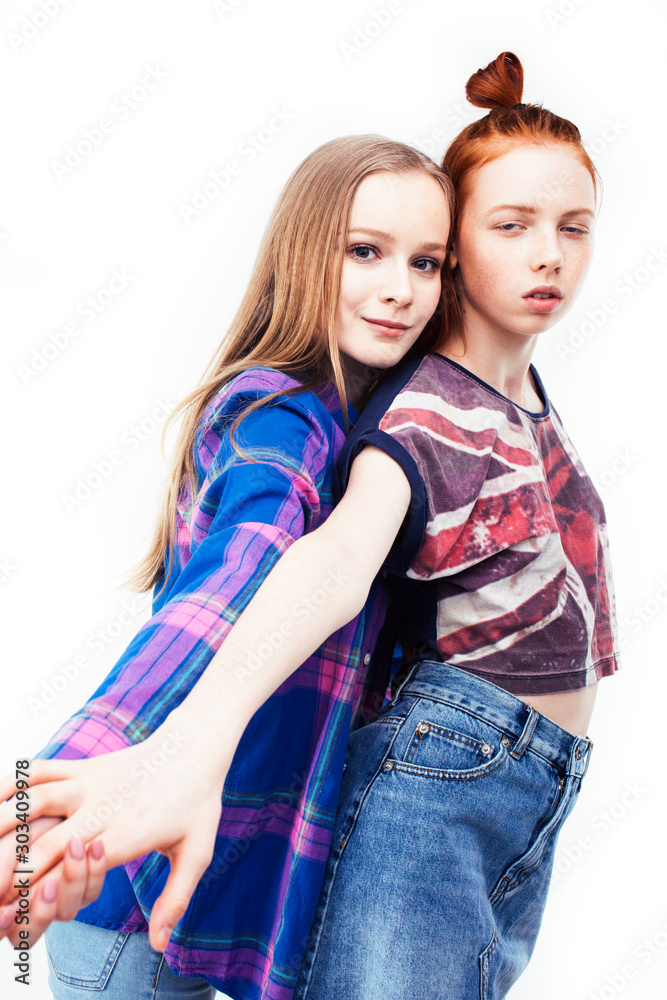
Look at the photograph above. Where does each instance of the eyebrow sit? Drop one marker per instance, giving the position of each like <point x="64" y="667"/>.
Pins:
<point x="533" y="210"/>
<point x="380" y="235"/>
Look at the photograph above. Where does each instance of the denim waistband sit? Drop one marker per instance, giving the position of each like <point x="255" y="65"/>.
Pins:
<point x="521" y="723"/>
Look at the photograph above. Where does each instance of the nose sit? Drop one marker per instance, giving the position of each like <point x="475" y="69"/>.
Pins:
<point x="548" y="254"/>
<point x="396" y="285"/>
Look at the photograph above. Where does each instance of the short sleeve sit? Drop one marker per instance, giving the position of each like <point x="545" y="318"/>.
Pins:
<point x="411" y="535"/>
<point x="367" y="431"/>
<point x="446" y="452"/>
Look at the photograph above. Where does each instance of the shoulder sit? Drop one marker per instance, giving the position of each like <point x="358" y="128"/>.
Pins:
<point x="430" y="404"/>
<point x="392" y="387"/>
<point x="251" y="384"/>
<point x="294" y="423"/>
<point x="440" y="396"/>
<point x="261" y="382"/>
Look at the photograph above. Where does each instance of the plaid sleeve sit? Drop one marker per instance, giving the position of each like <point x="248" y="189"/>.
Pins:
<point x="246" y="514"/>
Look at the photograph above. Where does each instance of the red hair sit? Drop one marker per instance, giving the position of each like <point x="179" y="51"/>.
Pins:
<point x="499" y="86"/>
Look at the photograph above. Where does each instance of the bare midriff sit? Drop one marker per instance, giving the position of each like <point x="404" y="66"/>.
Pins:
<point x="571" y="710"/>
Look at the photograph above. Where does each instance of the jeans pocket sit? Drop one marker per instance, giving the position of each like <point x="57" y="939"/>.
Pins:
<point x="449" y="745"/>
<point x="81" y="954"/>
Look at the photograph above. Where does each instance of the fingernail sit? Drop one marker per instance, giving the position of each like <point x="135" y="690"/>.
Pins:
<point x="76" y="847"/>
<point x="97" y="849"/>
<point x="50" y="890"/>
<point x="6" y="917"/>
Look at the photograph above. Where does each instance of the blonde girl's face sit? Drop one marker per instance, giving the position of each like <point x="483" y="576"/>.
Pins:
<point x="525" y="241"/>
<point x="390" y="282"/>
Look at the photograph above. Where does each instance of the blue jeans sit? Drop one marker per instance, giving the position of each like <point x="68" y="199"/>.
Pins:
<point x="122" y="965"/>
<point x="443" y="844"/>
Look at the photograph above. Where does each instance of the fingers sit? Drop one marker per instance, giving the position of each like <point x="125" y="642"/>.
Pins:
<point x="171" y="904"/>
<point x="6" y="919"/>
<point x="45" y="852"/>
<point x="70" y="886"/>
<point x="43" y="909"/>
<point x="36" y="772"/>
<point x="97" y="869"/>
<point x="45" y="797"/>
<point x="33" y="913"/>
<point x="7" y="816"/>
<point x="9" y="848"/>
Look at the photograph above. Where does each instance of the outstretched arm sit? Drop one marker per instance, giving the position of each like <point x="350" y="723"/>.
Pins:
<point x="339" y="560"/>
<point x="164" y="794"/>
<point x="247" y="510"/>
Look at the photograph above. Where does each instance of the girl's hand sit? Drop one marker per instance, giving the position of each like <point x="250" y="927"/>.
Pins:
<point x="71" y="885"/>
<point x="162" y="794"/>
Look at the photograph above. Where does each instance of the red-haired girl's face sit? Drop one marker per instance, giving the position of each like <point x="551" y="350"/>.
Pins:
<point x="525" y="241"/>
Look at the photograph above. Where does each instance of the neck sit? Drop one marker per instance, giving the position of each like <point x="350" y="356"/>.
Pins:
<point x="357" y="377"/>
<point x="498" y="358"/>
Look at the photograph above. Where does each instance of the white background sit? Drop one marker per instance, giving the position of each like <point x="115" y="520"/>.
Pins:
<point x="225" y="70"/>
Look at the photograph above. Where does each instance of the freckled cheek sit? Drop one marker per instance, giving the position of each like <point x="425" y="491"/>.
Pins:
<point x="482" y="276"/>
<point x="579" y="263"/>
<point x="481" y="266"/>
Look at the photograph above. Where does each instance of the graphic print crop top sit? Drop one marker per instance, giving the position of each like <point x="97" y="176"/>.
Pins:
<point x="502" y="563"/>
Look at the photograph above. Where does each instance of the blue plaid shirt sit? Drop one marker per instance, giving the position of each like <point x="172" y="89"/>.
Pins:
<point x="247" y="925"/>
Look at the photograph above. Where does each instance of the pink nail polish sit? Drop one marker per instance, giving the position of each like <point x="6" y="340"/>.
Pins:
<point x="50" y="890"/>
<point x="6" y="918"/>
<point x="76" y="847"/>
<point x="97" y="849"/>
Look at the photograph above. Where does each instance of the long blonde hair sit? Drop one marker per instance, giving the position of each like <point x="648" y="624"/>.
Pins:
<point x="286" y="319"/>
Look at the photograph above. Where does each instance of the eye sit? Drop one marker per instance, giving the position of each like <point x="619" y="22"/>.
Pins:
<point x="509" y="227"/>
<point x="575" y="231"/>
<point x="362" y="251"/>
<point x="428" y="265"/>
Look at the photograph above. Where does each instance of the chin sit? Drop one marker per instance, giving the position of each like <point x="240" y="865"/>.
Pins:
<point x="391" y="358"/>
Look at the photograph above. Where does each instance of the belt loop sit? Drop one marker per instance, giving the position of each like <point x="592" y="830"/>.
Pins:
<point x="526" y="733"/>
<point x="408" y="677"/>
<point x="580" y="755"/>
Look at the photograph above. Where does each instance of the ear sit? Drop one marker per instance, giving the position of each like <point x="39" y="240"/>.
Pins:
<point x="452" y="258"/>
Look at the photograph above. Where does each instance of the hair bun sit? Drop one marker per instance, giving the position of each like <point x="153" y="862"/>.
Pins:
<point x="498" y="85"/>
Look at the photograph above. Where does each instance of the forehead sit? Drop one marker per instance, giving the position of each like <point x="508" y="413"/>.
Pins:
<point x="549" y="177"/>
<point x="399" y="196"/>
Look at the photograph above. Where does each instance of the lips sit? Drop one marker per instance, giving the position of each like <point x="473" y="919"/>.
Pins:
<point x="543" y="299"/>
<point x="387" y="326"/>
